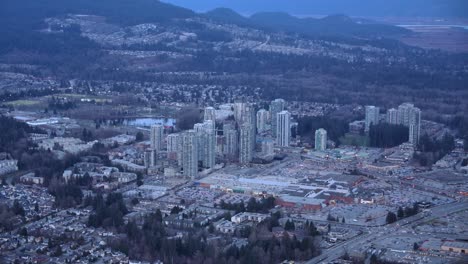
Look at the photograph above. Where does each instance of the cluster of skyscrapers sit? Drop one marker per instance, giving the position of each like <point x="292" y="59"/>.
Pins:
<point x="235" y="140"/>
<point x="407" y="115"/>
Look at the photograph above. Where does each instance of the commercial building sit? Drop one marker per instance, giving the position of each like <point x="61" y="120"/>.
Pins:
<point x="276" y="107"/>
<point x="156" y="137"/>
<point x="372" y="116"/>
<point x="320" y="139"/>
<point x="283" y="129"/>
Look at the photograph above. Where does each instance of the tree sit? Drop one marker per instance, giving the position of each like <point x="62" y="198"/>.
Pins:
<point x="391" y="218"/>
<point x="211" y="228"/>
<point x="415" y="246"/>
<point x="139" y="136"/>
<point x="400" y="212"/>
<point x="289" y="226"/>
<point x="36" y="207"/>
<point x="23" y="232"/>
<point x="343" y="220"/>
<point x="58" y="251"/>
<point x="18" y="208"/>
<point x="176" y="210"/>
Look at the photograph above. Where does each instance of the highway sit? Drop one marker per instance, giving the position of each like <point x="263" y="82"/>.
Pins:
<point x="376" y="233"/>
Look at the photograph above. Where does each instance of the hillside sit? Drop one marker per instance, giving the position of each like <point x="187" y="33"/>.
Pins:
<point x="334" y="25"/>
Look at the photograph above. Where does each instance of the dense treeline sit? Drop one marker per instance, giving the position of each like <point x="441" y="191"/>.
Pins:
<point x="8" y="215"/>
<point x="335" y="128"/>
<point x="66" y="195"/>
<point x="262" y="206"/>
<point x="386" y="135"/>
<point x="12" y="96"/>
<point x="152" y="241"/>
<point x="108" y="213"/>
<point x="430" y="150"/>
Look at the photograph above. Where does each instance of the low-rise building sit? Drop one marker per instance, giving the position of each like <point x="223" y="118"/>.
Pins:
<point x="243" y="217"/>
<point x="455" y="246"/>
<point x="7" y="164"/>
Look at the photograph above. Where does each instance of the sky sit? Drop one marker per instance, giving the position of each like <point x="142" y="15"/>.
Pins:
<point x="404" y="8"/>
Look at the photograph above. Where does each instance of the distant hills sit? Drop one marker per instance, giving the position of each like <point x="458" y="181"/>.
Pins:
<point x="20" y="15"/>
<point x="369" y="8"/>
<point x="341" y="25"/>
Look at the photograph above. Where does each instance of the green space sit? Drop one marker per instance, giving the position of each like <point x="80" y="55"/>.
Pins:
<point x="354" y="140"/>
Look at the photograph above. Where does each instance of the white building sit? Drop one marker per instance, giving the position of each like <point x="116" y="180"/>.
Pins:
<point x="283" y="129"/>
<point x="320" y="139"/>
<point x="372" y="116"/>
<point x="209" y="114"/>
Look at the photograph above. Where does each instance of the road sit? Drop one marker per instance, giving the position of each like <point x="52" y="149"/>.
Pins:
<point x="373" y="234"/>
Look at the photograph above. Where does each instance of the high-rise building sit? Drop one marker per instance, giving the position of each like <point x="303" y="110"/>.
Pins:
<point x="231" y="139"/>
<point x="414" y="126"/>
<point x="190" y="153"/>
<point x="250" y="117"/>
<point x="276" y="106"/>
<point x="239" y="110"/>
<point x="283" y="128"/>
<point x="404" y="112"/>
<point x="372" y="116"/>
<point x="320" y="139"/>
<point x="206" y="143"/>
<point x="210" y="114"/>
<point x="174" y="147"/>
<point x="392" y="116"/>
<point x="246" y="144"/>
<point x="262" y="120"/>
<point x="157" y="137"/>
<point x="410" y="116"/>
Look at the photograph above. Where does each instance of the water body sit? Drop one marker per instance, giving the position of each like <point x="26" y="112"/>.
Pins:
<point x="434" y="26"/>
<point x="149" y="121"/>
